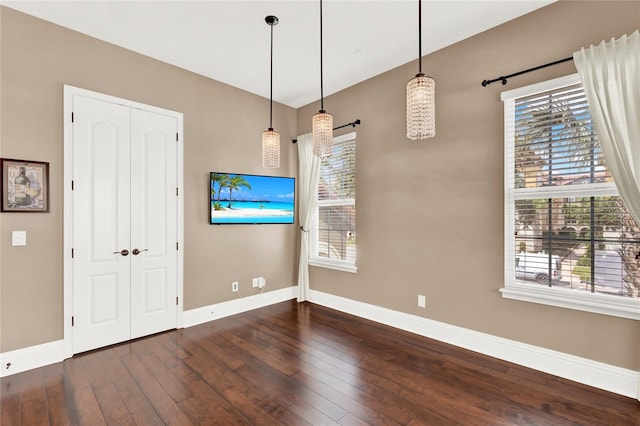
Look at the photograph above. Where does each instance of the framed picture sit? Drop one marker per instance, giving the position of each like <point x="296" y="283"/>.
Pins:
<point x="25" y="186"/>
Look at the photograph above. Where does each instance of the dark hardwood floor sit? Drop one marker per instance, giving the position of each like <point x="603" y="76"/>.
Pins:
<point x="299" y="364"/>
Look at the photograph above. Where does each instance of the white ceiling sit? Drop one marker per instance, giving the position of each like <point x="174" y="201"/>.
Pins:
<point x="229" y="40"/>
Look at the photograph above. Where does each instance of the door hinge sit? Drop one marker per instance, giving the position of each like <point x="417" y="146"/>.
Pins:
<point x="177" y="192"/>
<point x="177" y="246"/>
<point x="72" y="185"/>
<point x="177" y="137"/>
<point x="72" y="253"/>
<point x="73" y="322"/>
<point x="72" y="117"/>
<point x="176" y="300"/>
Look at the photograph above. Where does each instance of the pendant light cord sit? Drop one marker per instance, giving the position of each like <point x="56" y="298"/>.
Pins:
<point x="420" y="36"/>
<point x="271" y="85"/>
<point x="321" y="79"/>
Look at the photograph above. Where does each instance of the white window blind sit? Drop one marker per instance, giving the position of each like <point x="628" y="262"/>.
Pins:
<point x="555" y="143"/>
<point x="569" y="239"/>
<point x="334" y="233"/>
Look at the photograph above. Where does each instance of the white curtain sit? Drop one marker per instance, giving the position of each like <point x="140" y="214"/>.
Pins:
<point x="610" y="74"/>
<point x="308" y="176"/>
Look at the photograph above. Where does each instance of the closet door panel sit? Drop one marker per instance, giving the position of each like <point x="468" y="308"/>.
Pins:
<point x="153" y="222"/>
<point x="102" y="270"/>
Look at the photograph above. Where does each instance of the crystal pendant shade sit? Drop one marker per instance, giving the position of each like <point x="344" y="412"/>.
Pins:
<point x="270" y="149"/>
<point x="421" y="107"/>
<point x="322" y="129"/>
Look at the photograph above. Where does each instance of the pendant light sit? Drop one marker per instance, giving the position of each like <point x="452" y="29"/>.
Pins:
<point x="271" y="138"/>
<point x="421" y="97"/>
<point x="322" y="122"/>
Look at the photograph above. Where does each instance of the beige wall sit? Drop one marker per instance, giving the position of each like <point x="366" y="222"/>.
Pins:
<point x="222" y="132"/>
<point x="430" y="213"/>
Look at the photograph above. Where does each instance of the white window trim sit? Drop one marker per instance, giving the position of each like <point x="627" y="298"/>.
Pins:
<point x="338" y="265"/>
<point x="323" y="262"/>
<point x="555" y="296"/>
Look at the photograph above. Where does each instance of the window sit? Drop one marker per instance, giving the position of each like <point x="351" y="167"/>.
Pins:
<point x="569" y="239"/>
<point x="334" y="234"/>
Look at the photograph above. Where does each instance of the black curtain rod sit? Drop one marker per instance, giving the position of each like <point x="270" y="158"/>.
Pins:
<point x="485" y="83"/>
<point x="353" y="124"/>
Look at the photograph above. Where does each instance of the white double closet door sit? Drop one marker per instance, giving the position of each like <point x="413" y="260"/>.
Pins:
<point x="125" y="222"/>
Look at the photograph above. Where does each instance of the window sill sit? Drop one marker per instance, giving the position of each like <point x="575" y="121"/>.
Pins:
<point x="334" y="264"/>
<point x="596" y="303"/>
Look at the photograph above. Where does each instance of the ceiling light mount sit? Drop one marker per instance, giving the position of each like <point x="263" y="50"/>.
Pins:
<point x="272" y="20"/>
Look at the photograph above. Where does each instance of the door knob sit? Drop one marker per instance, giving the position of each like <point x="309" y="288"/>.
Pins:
<point x="124" y="252"/>
<point x="137" y="252"/>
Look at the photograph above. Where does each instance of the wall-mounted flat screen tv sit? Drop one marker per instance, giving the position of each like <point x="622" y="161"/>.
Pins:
<point x="254" y="199"/>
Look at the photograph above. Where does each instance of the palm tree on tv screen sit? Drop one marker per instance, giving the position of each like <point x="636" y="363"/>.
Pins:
<point x="222" y="181"/>
<point x="236" y="182"/>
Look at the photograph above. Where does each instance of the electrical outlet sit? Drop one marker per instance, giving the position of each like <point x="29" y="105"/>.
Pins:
<point x="254" y="282"/>
<point x="234" y="286"/>
<point x="422" y="301"/>
<point x="262" y="282"/>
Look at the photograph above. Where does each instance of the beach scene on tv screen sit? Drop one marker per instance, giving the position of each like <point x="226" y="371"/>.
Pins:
<point x="238" y="198"/>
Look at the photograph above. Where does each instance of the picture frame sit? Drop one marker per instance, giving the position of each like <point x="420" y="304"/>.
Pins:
<point x="25" y="186"/>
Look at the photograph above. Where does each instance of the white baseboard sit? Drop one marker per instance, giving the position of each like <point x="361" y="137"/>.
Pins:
<point x="237" y="306"/>
<point x="593" y="373"/>
<point x="20" y="360"/>
<point x="32" y="357"/>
